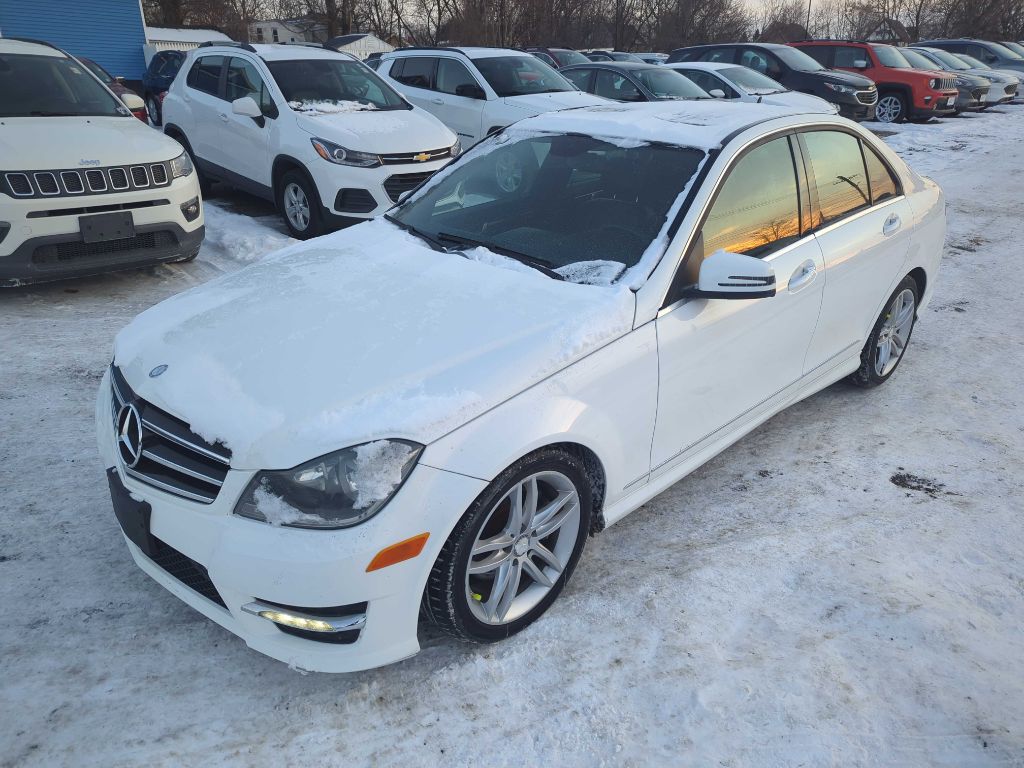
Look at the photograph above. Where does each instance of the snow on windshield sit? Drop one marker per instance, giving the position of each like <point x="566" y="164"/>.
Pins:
<point x="331" y="107"/>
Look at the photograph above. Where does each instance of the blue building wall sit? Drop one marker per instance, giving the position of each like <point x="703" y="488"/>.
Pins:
<point x="110" y="32"/>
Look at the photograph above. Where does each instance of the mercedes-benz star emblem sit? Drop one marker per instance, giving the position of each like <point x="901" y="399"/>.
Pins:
<point x="157" y="371"/>
<point x="129" y="434"/>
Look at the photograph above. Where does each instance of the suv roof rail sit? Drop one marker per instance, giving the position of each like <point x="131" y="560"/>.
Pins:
<point x="37" y="42"/>
<point x="226" y="44"/>
<point x="835" y="40"/>
<point x="430" y="48"/>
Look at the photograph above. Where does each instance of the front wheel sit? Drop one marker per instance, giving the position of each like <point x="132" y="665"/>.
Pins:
<point x="889" y="338"/>
<point x="891" y="108"/>
<point x="513" y="551"/>
<point x="299" y="203"/>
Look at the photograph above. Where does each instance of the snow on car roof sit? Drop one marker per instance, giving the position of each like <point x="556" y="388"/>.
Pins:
<point x="8" y="45"/>
<point x="487" y="53"/>
<point x="699" y="124"/>
<point x="709" y="66"/>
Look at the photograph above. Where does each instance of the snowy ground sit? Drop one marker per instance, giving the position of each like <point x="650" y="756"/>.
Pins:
<point x="843" y="587"/>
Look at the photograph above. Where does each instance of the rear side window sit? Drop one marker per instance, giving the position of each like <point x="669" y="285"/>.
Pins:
<point x="848" y="55"/>
<point x="416" y="71"/>
<point x="839" y="176"/>
<point x="612" y="85"/>
<point x="579" y="77"/>
<point x="820" y="54"/>
<point x="205" y="74"/>
<point x="727" y="55"/>
<point x="880" y="179"/>
<point x="757" y="209"/>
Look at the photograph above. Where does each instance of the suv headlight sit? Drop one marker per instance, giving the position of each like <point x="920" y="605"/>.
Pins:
<point x="840" y="88"/>
<point x="338" y="490"/>
<point x="456" y="149"/>
<point x="337" y="154"/>
<point x="961" y="83"/>
<point x="933" y="83"/>
<point x="181" y="166"/>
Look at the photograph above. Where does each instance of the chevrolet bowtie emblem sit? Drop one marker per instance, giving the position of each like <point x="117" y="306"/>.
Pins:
<point x="422" y="157"/>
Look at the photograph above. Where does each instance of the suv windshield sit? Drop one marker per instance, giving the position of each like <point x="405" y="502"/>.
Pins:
<point x="967" y="59"/>
<point x="52" y="86"/>
<point x="1003" y="52"/>
<point x="576" y="204"/>
<point x="752" y="81"/>
<point x="890" y="57"/>
<point x="797" y="60"/>
<point x="669" y="84"/>
<point x="332" y="85"/>
<point x="521" y="75"/>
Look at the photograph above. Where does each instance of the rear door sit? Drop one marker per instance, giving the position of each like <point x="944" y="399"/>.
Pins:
<point x="202" y="94"/>
<point x="415" y="78"/>
<point x="861" y="220"/>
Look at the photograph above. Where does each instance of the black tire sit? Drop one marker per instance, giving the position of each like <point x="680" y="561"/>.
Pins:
<point x="867" y="376"/>
<point x="315" y="225"/>
<point x="900" y="102"/>
<point x="445" y="599"/>
<point x="156" y="116"/>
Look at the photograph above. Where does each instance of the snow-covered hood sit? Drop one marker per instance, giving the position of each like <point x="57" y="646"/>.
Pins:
<point x="363" y="334"/>
<point x="538" y="103"/>
<point x="799" y="101"/>
<point x="41" y="143"/>
<point x="381" y="131"/>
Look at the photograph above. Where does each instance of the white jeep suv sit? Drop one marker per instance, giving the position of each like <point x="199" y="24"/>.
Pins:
<point x="478" y="91"/>
<point x="84" y="186"/>
<point x="313" y="130"/>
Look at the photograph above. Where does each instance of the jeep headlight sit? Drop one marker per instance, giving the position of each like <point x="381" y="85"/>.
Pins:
<point x="181" y="165"/>
<point x="338" y="490"/>
<point x="335" y="153"/>
<point x="933" y="83"/>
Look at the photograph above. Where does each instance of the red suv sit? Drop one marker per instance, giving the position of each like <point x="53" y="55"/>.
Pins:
<point x="904" y="93"/>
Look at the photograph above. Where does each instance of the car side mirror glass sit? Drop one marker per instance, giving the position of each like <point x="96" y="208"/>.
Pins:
<point x="718" y="93"/>
<point x="860" y="64"/>
<point x="470" y="91"/>
<point x="246" y="107"/>
<point x="133" y="101"/>
<point x="726" y="275"/>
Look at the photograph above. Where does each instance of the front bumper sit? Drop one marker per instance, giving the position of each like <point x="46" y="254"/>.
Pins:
<point x="248" y="561"/>
<point x="43" y="239"/>
<point x="971" y="99"/>
<point x="856" y="111"/>
<point x="935" y="104"/>
<point x="363" y="193"/>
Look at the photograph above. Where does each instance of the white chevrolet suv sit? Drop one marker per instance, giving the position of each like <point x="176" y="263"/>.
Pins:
<point x="478" y="91"/>
<point x="314" y="130"/>
<point x="84" y="186"/>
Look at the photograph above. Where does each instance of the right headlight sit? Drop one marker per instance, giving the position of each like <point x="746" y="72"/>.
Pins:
<point x="338" y="490"/>
<point x="840" y="88"/>
<point x="181" y="165"/>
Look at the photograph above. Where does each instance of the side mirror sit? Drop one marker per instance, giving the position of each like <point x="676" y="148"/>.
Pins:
<point x="246" y="107"/>
<point x="718" y="93"/>
<point x="860" y="64"/>
<point x="119" y="79"/>
<point x="725" y="275"/>
<point x="133" y="101"/>
<point x="470" y="91"/>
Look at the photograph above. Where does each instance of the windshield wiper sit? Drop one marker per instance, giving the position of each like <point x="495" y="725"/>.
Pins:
<point x="433" y="242"/>
<point x="531" y="261"/>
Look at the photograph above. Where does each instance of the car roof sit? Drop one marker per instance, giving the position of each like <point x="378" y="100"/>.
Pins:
<point x="700" y="124"/>
<point x="274" y="52"/>
<point x="769" y="46"/>
<point x="30" y="48"/>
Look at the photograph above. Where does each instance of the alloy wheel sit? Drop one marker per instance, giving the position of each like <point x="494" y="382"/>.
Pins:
<point x="895" y="332"/>
<point x="296" y="206"/>
<point x="523" y="547"/>
<point x="888" y="109"/>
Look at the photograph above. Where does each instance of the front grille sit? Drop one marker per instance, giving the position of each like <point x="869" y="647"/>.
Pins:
<point x="174" y="458"/>
<point x="1011" y="89"/>
<point x="56" y="253"/>
<point x="401" y="183"/>
<point x="948" y="83"/>
<point x="411" y="158"/>
<point x="75" y="181"/>
<point x="186" y="570"/>
<point x="867" y="97"/>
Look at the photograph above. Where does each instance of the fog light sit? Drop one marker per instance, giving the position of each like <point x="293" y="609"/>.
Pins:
<point x="312" y="625"/>
<point x="190" y="210"/>
<point x="295" y="619"/>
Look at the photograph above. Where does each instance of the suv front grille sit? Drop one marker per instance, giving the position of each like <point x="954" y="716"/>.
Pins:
<point x="173" y="458"/>
<point x="56" y="253"/>
<point x="411" y="158"/>
<point x="74" y="182"/>
<point x="401" y="183"/>
<point x="948" y="84"/>
<point x="867" y="97"/>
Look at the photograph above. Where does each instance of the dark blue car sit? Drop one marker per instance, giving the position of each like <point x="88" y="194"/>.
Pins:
<point x="161" y="71"/>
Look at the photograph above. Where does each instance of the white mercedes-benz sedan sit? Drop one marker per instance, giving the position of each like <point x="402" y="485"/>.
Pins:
<point x="424" y="417"/>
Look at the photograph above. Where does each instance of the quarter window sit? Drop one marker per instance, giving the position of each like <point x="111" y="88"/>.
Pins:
<point x="451" y="74"/>
<point x="880" y="179"/>
<point x="839" y="176"/>
<point x="205" y="74"/>
<point x="757" y="210"/>
<point x="416" y="71"/>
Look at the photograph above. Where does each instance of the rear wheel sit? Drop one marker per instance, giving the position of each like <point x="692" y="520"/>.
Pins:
<point x="153" y="108"/>
<point x="891" y="108"/>
<point x="513" y="551"/>
<point x="889" y="338"/>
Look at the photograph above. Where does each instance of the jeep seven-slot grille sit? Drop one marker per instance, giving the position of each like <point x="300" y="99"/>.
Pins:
<point x="401" y="183"/>
<point x="73" y="182"/>
<point x="173" y="458"/>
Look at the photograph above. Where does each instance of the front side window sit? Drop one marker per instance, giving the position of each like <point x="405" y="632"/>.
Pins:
<point x="244" y="80"/>
<point x="99" y="71"/>
<point x="753" y="82"/>
<point x="332" y="85"/>
<point x="612" y="85"/>
<point x="415" y="71"/>
<point x="520" y="76"/>
<point x="848" y="56"/>
<point x="839" y="176"/>
<point x="709" y="82"/>
<point x="888" y="56"/>
<point x="205" y="75"/>
<point x="757" y="209"/>
<point x="52" y="86"/>
<point x="567" y="201"/>
<point x="451" y="74"/>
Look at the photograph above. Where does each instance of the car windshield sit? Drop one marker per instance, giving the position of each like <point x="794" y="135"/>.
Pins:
<point x="623" y="56"/>
<point x="521" y="75"/>
<point x="1015" y="47"/>
<point x="52" y="86"/>
<point x="752" y="81"/>
<point x="567" y="57"/>
<point x="916" y="60"/>
<point x="1003" y="52"/>
<point x="332" y="85"/>
<point x="669" y="84"/>
<point x="890" y="57"/>
<point x="97" y="70"/>
<point x="948" y="60"/>
<point x="797" y="60"/>
<point x="576" y="204"/>
<point x="970" y="60"/>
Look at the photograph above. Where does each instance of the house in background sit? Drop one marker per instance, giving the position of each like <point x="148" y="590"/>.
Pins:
<point x="360" y="44"/>
<point x="891" y="31"/>
<point x="167" y="39"/>
<point x="301" y="30"/>
<point x="110" y="32"/>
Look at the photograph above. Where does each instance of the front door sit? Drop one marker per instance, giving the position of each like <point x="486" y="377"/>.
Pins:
<point x="246" y="139"/>
<point x="462" y="113"/>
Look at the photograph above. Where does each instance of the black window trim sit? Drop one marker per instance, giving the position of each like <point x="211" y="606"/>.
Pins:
<point x="432" y="86"/>
<point x="265" y="78"/>
<point x="221" y="78"/>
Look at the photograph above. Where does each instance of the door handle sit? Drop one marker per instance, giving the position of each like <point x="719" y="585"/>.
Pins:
<point x="803" y="276"/>
<point x="892" y="224"/>
<point x="223" y="117"/>
<point x="439" y="102"/>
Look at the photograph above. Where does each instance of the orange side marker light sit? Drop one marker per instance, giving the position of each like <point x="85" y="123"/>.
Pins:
<point x="397" y="553"/>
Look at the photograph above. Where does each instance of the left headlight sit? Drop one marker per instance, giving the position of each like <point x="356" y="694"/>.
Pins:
<point x="962" y="82"/>
<point x="456" y="149"/>
<point x="335" y="153"/>
<point x="338" y="490"/>
<point x="181" y="165"/>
